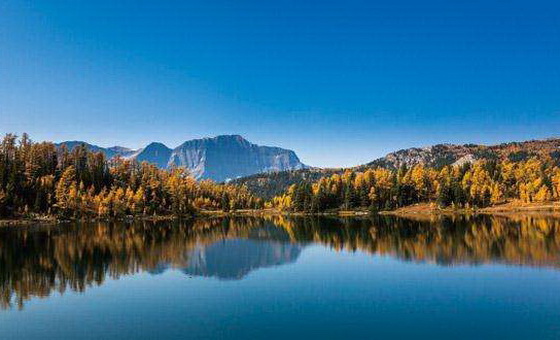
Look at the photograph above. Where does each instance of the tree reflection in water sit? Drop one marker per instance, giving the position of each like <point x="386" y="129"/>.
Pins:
<point x="39" y="260"/>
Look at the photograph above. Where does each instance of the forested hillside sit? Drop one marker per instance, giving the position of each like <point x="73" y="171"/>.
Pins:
<point x="480" y="184"/>
<point x="436" y="157"/>
<point x="270" y="184"/>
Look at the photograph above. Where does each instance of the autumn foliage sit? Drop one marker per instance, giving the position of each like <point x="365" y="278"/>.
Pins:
<point x="478" y="184"/>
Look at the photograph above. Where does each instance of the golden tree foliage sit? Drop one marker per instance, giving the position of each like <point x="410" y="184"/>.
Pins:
<point x="479" y="184"/>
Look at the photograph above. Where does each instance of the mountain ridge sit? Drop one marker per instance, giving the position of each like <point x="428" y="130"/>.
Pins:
<point x="439" y="155"/>
<point x="219" y="158"/>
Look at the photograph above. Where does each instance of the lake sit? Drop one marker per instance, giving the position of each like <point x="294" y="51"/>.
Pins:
<point x="277" y="277"/>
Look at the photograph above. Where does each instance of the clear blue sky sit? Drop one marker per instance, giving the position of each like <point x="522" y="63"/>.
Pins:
<point x="340" y="82"/>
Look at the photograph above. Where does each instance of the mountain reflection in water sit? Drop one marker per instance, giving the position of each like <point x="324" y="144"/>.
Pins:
<point x="36" y="261"/>
<point x="234" y="259"/>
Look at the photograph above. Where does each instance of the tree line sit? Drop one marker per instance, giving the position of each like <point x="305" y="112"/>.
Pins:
<point x="41" y="178"/>
<point x="471" y="185"/>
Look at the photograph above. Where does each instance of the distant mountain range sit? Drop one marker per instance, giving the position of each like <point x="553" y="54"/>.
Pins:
<point x="436" y="156"/>
<point x="220" y="158"/>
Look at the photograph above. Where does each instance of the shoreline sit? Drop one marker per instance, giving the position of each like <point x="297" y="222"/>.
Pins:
<point x="53" y="220"/>
<point x="499" y="209"/>
<point x="420" y="209"/>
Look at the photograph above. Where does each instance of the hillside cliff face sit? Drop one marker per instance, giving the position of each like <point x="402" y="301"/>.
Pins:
<point x="219" y="158"/>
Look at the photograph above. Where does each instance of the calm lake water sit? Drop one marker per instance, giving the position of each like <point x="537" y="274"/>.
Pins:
<point x="280" y="278"/>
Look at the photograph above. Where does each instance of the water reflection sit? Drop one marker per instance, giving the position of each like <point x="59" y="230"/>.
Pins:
<point x="34" y="262"/>
<point x="234" y="259"/>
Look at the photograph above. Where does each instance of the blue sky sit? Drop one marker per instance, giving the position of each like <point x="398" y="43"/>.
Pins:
<point x="339" y="82"/>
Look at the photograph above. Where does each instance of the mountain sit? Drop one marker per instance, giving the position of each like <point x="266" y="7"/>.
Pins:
<point x="228" y="157"/>
<point x="220" y="158"/>
<point x="155" y="153"/>
<point x="268" y="185"/>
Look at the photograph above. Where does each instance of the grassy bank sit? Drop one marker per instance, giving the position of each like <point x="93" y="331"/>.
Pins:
<point x="509" y="207"/>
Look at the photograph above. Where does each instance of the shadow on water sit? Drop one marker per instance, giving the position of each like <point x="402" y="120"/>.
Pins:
<point x="36" y="261"/>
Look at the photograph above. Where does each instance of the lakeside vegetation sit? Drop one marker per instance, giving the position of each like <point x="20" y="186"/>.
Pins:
<point x="469" y="186"/>
<point x="39" y="179"/>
